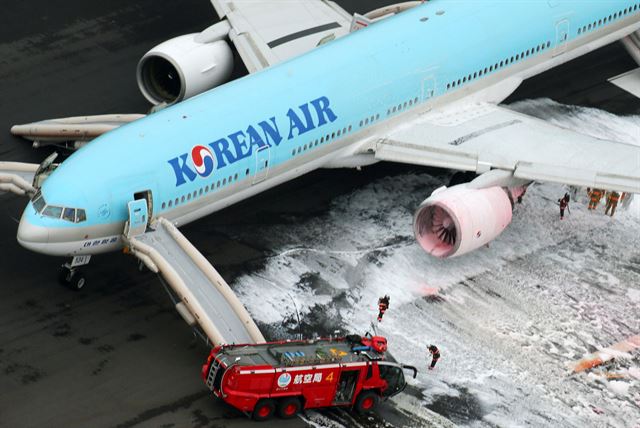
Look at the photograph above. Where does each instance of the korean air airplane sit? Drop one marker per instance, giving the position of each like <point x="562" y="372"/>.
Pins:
<point x="328" y="90"/>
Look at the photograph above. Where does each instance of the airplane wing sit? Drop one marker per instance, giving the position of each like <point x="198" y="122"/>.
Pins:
<point x="266" y="32"/>
<point x="481" y="137"/>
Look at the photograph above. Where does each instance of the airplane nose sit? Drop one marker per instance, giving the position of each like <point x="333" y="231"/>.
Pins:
<point x="31" y="236"/>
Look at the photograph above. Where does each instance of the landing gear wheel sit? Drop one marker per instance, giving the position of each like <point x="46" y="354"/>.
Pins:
<point x="71" y="277"/>
<point x="77" y="281"/>
<point x="366" y="402"/>
<point x="264" y="409"/>
<point x="289" y="407"/>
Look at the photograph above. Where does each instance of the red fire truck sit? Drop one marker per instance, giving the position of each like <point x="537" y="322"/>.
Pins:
<point x="285" y="377"/>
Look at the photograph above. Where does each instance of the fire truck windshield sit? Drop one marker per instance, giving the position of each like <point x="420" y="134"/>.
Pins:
<point x="395" y="378"/>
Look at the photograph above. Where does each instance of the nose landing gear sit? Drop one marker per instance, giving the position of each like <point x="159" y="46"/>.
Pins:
<point x="70" y="274"/>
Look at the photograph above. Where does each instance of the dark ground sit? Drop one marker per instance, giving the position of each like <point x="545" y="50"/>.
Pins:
<point x="117" y="354"/>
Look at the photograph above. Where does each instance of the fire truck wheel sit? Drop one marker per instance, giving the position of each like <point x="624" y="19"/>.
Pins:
<point x="264" y="409"/>
<point x="367" y="401"/>
<point x="288" y="407"/>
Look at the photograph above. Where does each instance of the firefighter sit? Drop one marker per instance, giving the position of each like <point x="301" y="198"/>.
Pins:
<point x="564" y="204"/>
<point x="383" y="305"/>
<point x="435" y="355"/>
<point x="595" y="195"/>
<point x="612" y="202"/>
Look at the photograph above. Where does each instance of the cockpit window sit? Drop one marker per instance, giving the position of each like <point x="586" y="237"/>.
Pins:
<point x="38" y="202"/>
<point x="74" y="215"/>
<point x="52" y="211"/>
<point x="69" y="214"/>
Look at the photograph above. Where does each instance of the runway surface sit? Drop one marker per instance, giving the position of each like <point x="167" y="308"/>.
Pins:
<point x="117" y="354"/>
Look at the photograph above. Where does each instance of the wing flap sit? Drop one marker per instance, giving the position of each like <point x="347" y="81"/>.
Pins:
<point x="267" y="32"/>
<point x="482" y="137"/>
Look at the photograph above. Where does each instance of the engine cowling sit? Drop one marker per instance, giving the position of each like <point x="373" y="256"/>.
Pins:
<point x="456" y="220"/>
<point x="183" y="67"/>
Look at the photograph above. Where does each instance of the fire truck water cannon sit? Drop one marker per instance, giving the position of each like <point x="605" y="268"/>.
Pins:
<point x="288" y="376"/>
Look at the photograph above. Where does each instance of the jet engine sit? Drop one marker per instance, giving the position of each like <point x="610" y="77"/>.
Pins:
<point x="459" y="219"/>
<point x="183" y="67"/>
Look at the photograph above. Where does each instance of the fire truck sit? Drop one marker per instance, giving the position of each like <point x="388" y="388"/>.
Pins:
<point x="287" y="376"/>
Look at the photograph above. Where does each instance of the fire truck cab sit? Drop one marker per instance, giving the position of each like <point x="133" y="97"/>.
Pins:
<point x="285" y="377"/>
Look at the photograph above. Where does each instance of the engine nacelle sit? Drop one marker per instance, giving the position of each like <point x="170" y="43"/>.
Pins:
<point x="456" y="220"/>
<point x="183" y="67"/>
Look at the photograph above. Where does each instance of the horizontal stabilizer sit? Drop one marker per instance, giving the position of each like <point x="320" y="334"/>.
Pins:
<point x="629" y="81"/>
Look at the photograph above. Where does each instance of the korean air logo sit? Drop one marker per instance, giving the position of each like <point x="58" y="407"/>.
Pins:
<point x="284" y="380"/>
<point x="203" y="160"/>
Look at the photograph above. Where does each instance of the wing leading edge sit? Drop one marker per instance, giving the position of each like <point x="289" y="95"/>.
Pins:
<point x="481" y="137"/>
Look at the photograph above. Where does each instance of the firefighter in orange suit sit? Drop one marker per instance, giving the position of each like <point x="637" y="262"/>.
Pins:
<point x="595" y="195"/>
<point x="612" y="203"/>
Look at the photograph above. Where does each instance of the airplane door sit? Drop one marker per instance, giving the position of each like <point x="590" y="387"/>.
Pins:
<point x="262" y="164"/>
<point x="146" y="196"/>
<point x="562" y="36"/>
<point x="138" y="218"/>
<point x="428" y="88"/>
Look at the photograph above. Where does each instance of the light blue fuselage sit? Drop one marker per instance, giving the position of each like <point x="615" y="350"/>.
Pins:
<point x="310" y="112"/>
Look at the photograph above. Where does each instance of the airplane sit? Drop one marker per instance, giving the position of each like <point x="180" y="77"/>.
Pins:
<point x="330" y="90"/>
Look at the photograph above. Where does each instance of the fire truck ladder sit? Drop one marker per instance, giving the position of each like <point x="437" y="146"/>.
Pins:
<point x="203" y="296"/>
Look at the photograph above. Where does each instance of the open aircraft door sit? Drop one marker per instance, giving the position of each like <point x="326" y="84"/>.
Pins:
<point x="138" y="218"/>
<point x="262" y="164"/>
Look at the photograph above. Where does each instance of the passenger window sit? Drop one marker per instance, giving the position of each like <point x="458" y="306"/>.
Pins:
<point x="164" y="205"/>
<point x="224" y="181"/>
<point x="52" y="211"/>
<point x="69" y="214"/>
<point x="235" y="177"/>
<point x="170" y="204"/>
<point x="200" y="192"/>
<point x="182" y="199"/>
<point x="206" y="188"/>
<point x="188" y="197"/>
<point x="80" y="215"/>
<point x="246" y="172"/>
